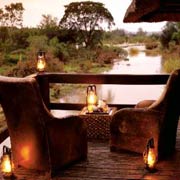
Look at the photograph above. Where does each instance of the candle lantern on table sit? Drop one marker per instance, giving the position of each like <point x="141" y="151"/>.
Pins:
<point x="91" y="99"/>
<point x="6" y="162"/>
<point x="41" y="61"/>
<point x="150" y="156"/>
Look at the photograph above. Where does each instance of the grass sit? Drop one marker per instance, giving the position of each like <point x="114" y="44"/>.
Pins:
<point x="171" y="59"/>
<point x="171" y="64"/>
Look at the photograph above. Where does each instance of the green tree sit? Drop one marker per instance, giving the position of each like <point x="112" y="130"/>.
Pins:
<point x="1" y="17"/>
<point x="19" y="38"/>
<point x="59" y="50"/>
<point x="48" y="22"/>
<point x="140" y="32"/>
<point x="167" y="33"/>
<point x="49" y="26"/>
<point x="87" y="18"/>
<point x="176" y="35"/>
<point x="10" y="19"/>
<point x="13" y="15"/>
<point x="3" y="34"/>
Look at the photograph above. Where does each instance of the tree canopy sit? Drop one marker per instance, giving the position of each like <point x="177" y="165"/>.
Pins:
<point x="87" y="19"/>
<point x="12" y="15"/>
<point x="169" y="33"/>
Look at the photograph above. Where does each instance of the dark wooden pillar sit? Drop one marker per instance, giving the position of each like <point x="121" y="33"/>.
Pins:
<point x="44" y="88"/>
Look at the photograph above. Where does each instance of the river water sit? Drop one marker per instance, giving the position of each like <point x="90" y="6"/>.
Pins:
<point x="138" y="64"/>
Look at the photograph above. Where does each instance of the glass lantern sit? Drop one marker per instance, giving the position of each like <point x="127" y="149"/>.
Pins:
<point x="41" y="61"/>
<point x="6" y="162"/>
<point x="91" y="99"/>
<point x="150" y="156"/>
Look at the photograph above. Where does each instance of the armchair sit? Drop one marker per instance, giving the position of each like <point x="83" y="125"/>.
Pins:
<point x="38" y="139"/>
<point x="131" y="128"/>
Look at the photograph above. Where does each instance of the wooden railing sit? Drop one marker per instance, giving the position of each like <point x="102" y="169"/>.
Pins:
<point x="44" y="80"/>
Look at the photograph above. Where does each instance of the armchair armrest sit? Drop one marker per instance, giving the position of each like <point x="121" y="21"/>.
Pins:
<point x="144" y="103"/>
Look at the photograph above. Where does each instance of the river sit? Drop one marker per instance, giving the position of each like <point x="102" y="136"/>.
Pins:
<point x="138" y="64"/>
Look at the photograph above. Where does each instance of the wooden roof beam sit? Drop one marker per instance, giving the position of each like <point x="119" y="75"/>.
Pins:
<point x="153" y="11"/>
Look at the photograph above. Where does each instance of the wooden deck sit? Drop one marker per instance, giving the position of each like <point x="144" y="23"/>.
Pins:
<point x="105" y="165"/>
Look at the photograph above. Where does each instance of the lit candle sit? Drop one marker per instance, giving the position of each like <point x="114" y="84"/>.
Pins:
<point x="91" y="98"/>
<point x="41" y="62"/>
<point x="150" y="156"/>
<point x="151" y="159"/>
<point x="6" y="162"/>
<point x="41" y="65"/>
<point x="90" y="108"/>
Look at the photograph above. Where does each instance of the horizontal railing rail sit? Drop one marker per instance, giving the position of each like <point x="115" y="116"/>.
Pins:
<point x="45" y="79"/>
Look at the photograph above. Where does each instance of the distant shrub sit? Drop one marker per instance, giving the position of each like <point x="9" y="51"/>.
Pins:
<point x="11" y="58"/>
<point x="22" y="69"/>
<point x="54" y="65"/>
<point x="154" y="52"/>
<point x="151" y="46"/>
<point x="106" y="55"/>
<point x="133" y="51"/>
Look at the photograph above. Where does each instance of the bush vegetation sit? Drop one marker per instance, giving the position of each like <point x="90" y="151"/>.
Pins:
<point x="171" y="64"/>
<point x="133" y="51"/>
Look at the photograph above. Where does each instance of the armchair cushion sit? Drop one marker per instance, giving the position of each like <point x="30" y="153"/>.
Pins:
<point x="144" y="103"/>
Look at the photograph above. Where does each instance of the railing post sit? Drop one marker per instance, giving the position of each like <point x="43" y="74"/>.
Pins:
<point x="44" y="89"/>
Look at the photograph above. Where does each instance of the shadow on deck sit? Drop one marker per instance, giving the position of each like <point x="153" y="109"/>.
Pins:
<point x="103" y="164"/>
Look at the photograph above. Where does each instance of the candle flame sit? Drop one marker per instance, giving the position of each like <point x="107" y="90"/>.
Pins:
<point x="6" y="165"/>
<point x="92" y="98"/>
<point x="151" y="159"/>
<point x="41" y="65"/>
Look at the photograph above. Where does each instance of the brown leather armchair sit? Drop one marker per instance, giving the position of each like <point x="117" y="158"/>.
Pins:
<point x="131" y="128"/>
<point x="39" y="140"/>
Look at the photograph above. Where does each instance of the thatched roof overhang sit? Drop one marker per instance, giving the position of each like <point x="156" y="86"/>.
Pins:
<point x="153" y="11"/>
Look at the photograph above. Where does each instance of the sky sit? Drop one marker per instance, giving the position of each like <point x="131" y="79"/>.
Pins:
<point x="35" y="8"/>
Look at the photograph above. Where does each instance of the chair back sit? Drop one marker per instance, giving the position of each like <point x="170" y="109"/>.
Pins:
<point x="169" y="106"/>
<point x="169" y="100"/>
<point x="26" y="114"/>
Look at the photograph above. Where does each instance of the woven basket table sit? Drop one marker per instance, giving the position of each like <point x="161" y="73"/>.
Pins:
<point x="98" y="124"/>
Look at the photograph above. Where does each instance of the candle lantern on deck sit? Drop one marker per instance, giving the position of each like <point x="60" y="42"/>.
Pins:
<point x="41" y="61"/>
<point x="6" y="162"/>
<point x="91" y="98"/>
<point x="150" y="156"/>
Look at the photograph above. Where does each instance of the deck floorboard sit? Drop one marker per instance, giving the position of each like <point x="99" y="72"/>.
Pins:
<point x="105" y="165"/>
